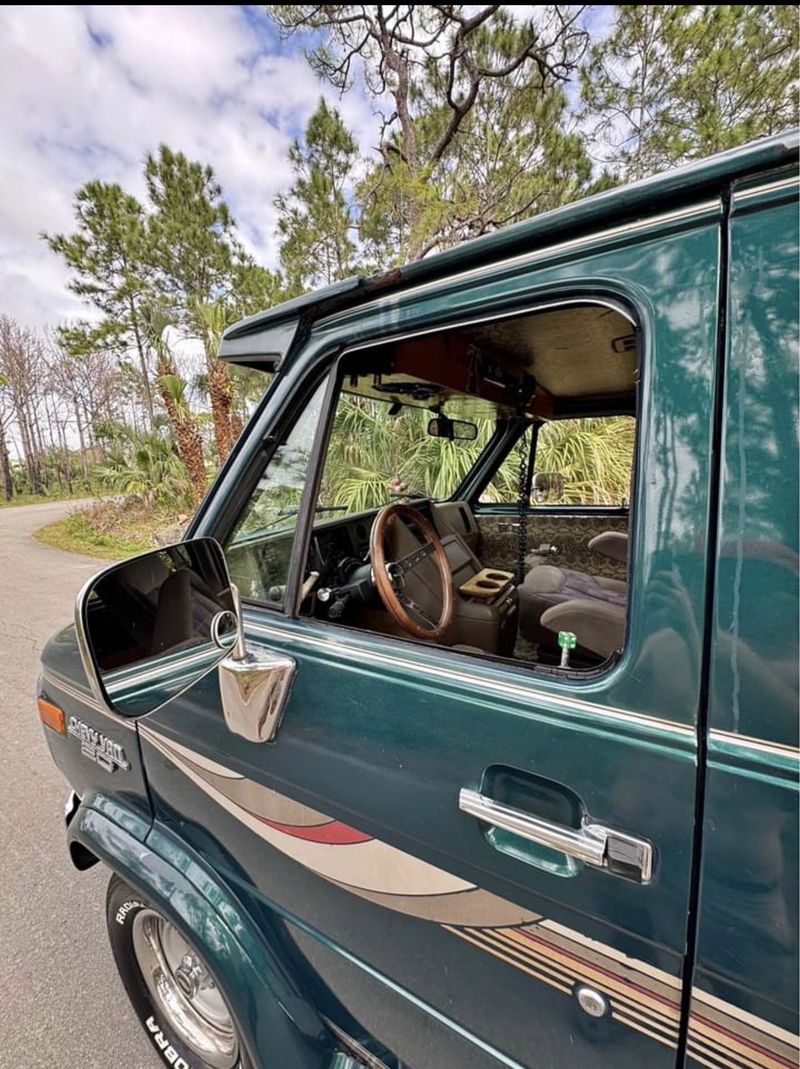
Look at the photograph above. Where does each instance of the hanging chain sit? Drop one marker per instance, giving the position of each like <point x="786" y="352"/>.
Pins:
<point x="522" y="504"/>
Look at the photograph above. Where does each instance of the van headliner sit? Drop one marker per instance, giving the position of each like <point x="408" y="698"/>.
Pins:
<point x="261" y="340"/>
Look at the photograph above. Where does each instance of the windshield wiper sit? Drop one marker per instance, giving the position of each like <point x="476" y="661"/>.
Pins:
<point x="318" y="508"/>
<point x="285" y="513"/>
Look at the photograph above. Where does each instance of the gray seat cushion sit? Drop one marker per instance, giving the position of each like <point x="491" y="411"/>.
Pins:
<point x="546" y="587"/>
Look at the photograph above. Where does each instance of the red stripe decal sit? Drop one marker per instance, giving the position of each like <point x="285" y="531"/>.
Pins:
<point x="334" y="832"/>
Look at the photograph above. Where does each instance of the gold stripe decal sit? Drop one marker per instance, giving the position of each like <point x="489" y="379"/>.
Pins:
<point x="724" y="1036"/>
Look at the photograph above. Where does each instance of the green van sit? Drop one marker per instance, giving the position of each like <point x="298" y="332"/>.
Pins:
<point x="431" y="748"/>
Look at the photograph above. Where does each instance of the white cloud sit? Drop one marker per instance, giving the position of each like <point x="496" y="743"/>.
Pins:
<point x="87" y="92"/>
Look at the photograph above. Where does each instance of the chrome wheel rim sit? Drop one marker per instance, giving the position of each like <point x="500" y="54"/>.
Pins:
<point x="184" y="990"/>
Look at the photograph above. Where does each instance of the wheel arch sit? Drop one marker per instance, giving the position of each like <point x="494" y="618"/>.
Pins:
<point x="268" y="1005"/>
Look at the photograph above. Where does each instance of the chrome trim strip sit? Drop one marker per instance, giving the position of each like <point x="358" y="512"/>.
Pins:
<point x="85" y="698"/>
<point x="118" y="682"/>
<point x="770" y="187"/>
<point x="749" y="742"/>
<point x="369" y="1059"/>
<point x="391" y="299"/>
<point x="83" y="639"/>
<point x="493" y="317"/>
<point x="493" y="686"/>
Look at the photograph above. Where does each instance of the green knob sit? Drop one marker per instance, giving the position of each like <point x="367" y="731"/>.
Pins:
<point x="567" y="640"/>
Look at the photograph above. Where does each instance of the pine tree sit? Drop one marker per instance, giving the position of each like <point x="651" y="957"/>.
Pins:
<point x="679" y="83"/>
<point x="197" y="259"/>
<point x="316" y="216"/>
<point x="437" y="66"/>
<point x="107" y="258"/>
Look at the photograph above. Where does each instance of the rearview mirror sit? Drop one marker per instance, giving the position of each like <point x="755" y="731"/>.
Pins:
<point x="452" y="429"/>
<point x="151" y="627"/>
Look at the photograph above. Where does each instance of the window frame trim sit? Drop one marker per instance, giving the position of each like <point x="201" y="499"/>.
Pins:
<point x="319" y="378"/>
<point x="328" y="365"/>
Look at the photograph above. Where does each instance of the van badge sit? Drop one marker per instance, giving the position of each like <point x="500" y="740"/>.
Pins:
<point x="97" y="746"/>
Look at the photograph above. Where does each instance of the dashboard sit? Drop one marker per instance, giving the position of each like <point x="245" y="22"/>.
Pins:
<point x="335" y="541"/>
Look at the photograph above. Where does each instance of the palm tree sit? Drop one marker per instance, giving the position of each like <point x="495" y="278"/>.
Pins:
<point x="212" y="318"/>
<point x="369" y="448"/>
<point x="172" y="389"/>
<point x="142" y="465"/>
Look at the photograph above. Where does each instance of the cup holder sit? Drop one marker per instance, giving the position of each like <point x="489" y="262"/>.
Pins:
<point x="487" y="584"/>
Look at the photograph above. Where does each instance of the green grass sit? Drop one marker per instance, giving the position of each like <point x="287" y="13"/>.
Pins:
<point x="42" y="499"/>
<point x="109" y="530"/>
<point x="76" y="535"/>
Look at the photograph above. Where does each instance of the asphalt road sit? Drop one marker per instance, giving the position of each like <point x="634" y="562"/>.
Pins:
<point x="63" y="1006"/>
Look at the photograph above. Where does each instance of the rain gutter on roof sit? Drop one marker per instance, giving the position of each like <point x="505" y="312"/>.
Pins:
<point x="264" y="339"/>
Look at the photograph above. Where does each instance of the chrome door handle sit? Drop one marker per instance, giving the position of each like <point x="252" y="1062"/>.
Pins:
<point x="621" y="854"/>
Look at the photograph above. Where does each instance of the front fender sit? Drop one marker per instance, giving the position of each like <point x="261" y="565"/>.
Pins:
<point x="277" y="1024"/>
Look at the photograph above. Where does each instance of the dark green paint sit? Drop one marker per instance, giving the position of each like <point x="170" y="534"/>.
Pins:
<point x="276" y="1022"/>
<point x="748" y="935"/>
<point x="378" y="735"/>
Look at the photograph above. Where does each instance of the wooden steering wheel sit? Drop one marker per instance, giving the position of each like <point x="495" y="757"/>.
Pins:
<point x="390" y="576"/>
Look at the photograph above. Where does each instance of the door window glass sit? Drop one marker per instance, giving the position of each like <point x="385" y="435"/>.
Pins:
<point x="377" y="452"/>
<point x="259" y="549"/>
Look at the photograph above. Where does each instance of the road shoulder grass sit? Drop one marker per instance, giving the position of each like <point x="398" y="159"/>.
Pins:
<point x="109" y="530"/>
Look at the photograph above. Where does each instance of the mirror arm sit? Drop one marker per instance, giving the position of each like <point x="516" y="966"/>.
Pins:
<point x="239" y="651"/>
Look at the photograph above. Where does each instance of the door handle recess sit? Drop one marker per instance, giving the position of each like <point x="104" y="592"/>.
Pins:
<point x="623" y="855"/>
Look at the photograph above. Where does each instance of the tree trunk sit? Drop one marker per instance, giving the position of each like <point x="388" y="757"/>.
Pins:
<point x="30" y="452"/>
<point x="143" y="363"/>
<point x="62" y="433"/>
<point x="185" y="434"/>
<point x="219" y="391"/>
<point x="82" y="443"/>
<point x="237" y="425"/>
<point x="5" y="467"/>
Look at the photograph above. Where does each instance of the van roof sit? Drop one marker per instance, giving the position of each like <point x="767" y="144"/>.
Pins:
<point x="265" y="336"/>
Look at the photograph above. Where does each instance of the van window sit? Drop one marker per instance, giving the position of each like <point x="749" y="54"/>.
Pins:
<point x="579" y="462"/>
<point x="393" y="549"/>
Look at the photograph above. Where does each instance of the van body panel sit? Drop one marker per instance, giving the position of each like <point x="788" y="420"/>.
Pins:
<point x="747" y="953"/>
<point x="379" y="735"/>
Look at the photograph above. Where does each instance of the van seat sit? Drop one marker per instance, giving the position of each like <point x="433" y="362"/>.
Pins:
<point x="555" y="599"/>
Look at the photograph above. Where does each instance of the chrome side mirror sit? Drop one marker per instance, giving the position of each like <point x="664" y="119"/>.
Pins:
<point x="153" y="626"/>
<point x="144" y="626"/>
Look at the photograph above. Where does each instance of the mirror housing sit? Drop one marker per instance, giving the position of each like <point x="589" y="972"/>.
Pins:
<point x="153" y="626"/>
<point x="442" y="426"/>
<point x="146" y="627"/>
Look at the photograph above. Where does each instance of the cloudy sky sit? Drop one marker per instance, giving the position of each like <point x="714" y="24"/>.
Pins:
<point x="86" y="92"/>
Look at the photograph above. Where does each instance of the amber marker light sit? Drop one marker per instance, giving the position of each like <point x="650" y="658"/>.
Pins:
<point x="51" y="716"/>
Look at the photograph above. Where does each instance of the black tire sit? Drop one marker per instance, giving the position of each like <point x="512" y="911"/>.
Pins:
<point x="122" y="906"/>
